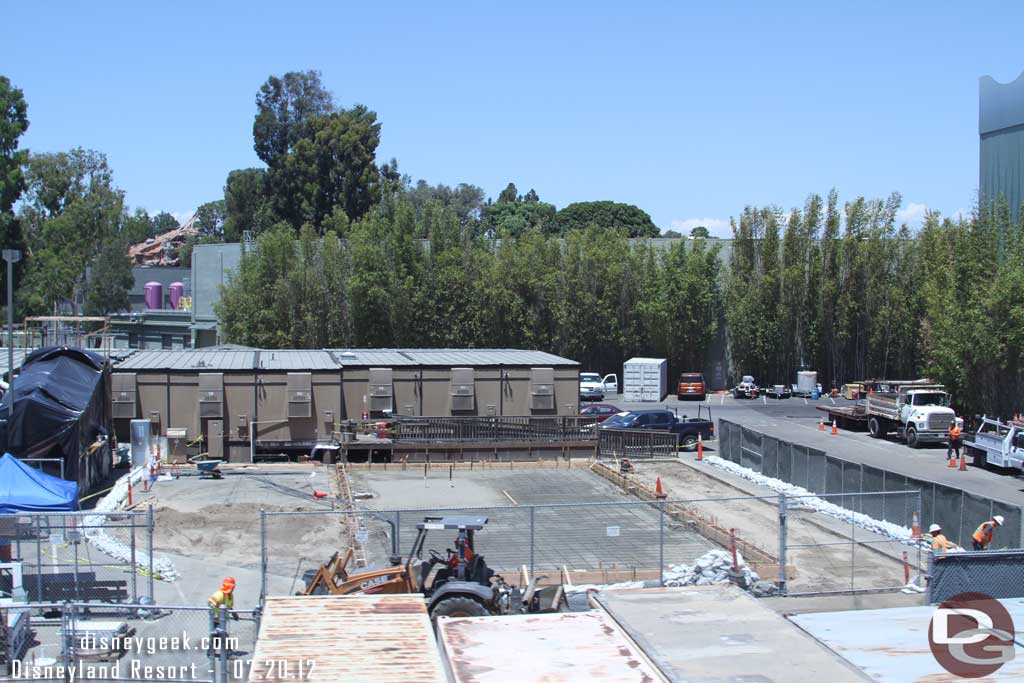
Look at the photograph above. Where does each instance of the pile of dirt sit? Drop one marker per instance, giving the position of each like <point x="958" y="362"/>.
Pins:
<point x="233" y="531"/>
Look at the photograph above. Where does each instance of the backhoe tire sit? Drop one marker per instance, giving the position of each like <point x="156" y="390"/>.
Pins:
<point x="875" y="428"/>
<point x="458" y="607"/>
<point x="912" y="439"/>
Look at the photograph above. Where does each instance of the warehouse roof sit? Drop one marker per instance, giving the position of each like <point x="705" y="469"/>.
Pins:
<point x="297" y="360"/>
<point x="197" y="359"/>
<point x="447" y="357"/>
<point x="228" y="358"/>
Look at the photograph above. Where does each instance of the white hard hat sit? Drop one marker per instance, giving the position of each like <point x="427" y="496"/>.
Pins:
<point x="998" y="519"/>
<point x="933" y="528"/>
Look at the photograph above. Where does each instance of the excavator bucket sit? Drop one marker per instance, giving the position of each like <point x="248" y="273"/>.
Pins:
<point x="330" y="578"/>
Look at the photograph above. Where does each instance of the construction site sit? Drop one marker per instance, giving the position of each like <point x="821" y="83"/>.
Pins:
<point x="442" y="543"/>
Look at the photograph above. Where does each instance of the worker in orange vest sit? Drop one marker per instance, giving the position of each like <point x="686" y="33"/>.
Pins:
<point x="982" y="536"/>
<point x="224" y="597"/>
<point x="940" y="543"/>
<point x="954" y="432"/>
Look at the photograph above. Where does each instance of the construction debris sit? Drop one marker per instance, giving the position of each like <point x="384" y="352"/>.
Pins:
<point x="162" y="250"/>
<point x="712" y="568"/>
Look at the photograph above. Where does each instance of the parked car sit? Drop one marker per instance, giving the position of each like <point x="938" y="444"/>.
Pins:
<point x="746" y="389"/>
<point x="593" y="387"/>
<point x="778" y="391"/>
<point x="691" y="385"/>
<point x="688" y="428"/>
<point x="602" y="411"/>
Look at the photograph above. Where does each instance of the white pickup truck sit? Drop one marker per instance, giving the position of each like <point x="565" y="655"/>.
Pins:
<point x="593" y="387"/>
<point x="917" y="411"/>
<point x="998" y="443"/>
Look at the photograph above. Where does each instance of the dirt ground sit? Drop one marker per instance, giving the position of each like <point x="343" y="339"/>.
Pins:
<point x="821" y="568"/>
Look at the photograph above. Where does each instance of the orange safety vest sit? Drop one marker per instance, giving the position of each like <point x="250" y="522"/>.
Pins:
<point x="940" y="543"/>
<point x="954" y="433"/>
<point x="983" y="534"/>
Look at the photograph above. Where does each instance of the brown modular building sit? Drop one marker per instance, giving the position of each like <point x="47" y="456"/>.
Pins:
<point x="295" y="399"/>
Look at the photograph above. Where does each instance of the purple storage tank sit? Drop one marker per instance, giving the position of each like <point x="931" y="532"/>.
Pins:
<point x="154" y="296"/>
<point x="176" y="291"/>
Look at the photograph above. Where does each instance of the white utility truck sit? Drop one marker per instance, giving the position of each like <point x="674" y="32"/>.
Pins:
<point x="917" y="411"/>
<point x="998" y="443"/>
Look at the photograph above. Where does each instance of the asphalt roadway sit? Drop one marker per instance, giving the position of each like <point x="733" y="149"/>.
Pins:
<point x="796" y="420"/>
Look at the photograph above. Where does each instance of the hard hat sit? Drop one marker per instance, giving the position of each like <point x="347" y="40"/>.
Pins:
<point x="998" y="519"/>
<point x="228" y="583"/>
<point x="933" y="528"/>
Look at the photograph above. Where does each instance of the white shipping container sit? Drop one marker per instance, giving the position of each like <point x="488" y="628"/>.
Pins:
<point x="646" y="378"/>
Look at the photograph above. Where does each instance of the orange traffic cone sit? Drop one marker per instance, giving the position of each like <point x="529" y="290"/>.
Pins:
<point x="658" y="490"/>
<point x="951" y="462"/>
<point x="915" y="529"/>
<point x="700" y="447"/>
<point x="821" y="425"/>
<point x="963" y="461"/>
<point x="835" y="428"/>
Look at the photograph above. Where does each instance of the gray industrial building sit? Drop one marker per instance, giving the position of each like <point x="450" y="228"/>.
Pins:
<point x="1001" y="128"/>
<point x="241" y="400"/>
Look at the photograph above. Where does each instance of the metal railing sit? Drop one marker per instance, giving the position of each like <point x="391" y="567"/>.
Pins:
<point x="636" y="444"/>
<point x="503" y="428"/>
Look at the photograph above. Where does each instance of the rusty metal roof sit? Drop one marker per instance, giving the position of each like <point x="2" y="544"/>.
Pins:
<point x="354" y="639"/>
<point x="572" y="647"/>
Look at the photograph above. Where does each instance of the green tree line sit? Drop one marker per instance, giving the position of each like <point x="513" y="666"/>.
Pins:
<point x="593" y="295"/>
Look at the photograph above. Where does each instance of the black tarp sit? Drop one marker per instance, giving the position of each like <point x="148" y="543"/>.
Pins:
<point x="61" y="408"/>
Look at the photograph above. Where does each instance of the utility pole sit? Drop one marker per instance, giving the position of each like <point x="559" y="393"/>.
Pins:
<point x="12" y="256"/>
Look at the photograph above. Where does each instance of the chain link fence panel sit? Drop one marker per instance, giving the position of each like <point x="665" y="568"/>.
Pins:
<point x="86" y="641"/>
<point x="80" y="556"/>
<point x="997" y="573"/>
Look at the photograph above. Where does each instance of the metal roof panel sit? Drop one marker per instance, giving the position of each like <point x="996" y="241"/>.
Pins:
<point x="720" y="633"/>
<point x="891" y="645"/>
<point x="569" y="647"/>
<point x="355" y="639"/>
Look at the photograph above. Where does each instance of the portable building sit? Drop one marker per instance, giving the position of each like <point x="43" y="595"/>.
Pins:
<point x="645" y="379"/>
<point x="239" y="399"/>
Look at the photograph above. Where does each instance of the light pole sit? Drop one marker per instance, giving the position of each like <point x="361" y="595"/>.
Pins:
<point x="12" y="256"/>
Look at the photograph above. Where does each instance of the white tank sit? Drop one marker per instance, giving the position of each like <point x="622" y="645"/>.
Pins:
<point x="806" y="380"/>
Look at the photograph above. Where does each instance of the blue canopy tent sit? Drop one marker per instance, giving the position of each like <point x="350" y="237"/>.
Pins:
<point x="23" y="489"/>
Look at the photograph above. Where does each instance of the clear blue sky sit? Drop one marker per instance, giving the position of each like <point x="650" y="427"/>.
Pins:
<point x="689" y="110"/>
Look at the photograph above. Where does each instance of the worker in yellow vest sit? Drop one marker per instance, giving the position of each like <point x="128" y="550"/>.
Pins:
<point x="224" y="597"/>
<point x="982" y="536"/>
<point x="940" y="543"/>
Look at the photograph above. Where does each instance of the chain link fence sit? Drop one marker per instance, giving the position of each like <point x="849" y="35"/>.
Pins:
<point x="83" y="641"/>
<point x="997" y="573"/>
<point x="78" y="556"/>
<point x="849" y="543"/>
<point x="808" y="545"/>
<point x="593" y="542"/>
